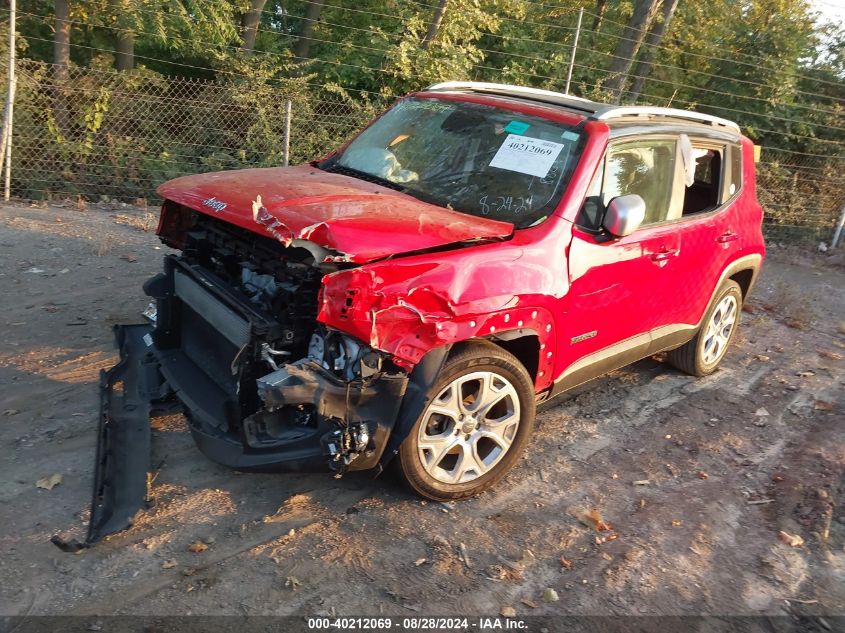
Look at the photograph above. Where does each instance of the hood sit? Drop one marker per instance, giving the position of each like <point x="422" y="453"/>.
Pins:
<point x="358" y="220"/>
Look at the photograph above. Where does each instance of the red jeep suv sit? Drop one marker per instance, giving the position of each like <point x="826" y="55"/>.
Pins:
<point x="476" y="249"/>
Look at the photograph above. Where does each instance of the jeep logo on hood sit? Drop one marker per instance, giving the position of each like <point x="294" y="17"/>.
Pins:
<point x="214" y="203"/>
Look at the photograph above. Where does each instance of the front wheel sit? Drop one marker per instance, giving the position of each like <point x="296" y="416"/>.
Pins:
<point x="479" y="417"/>
<point x="703" y="353"/>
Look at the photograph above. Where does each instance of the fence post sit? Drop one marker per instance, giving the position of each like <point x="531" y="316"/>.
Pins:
<point x="286" y="153"/>
<point x="839" y="226"/>
<point x="4" y="135"/>
<point x="574" y="48"/>
<point x="10" y="103"/>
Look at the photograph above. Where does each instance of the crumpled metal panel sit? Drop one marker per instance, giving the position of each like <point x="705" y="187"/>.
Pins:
<point x="358" y="220"/>
<point x="410" y="306"/>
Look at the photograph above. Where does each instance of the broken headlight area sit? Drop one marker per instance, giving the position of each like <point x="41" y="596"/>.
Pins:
<point x="342" y="384"/>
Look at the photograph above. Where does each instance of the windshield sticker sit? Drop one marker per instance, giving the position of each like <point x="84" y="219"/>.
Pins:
<point x="517" y="127"/>
<point x="569" y="136"/>
<point x="527" y="155"/>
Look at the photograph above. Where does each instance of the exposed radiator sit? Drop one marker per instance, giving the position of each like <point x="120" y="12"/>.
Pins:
<point x="226" y="321"/>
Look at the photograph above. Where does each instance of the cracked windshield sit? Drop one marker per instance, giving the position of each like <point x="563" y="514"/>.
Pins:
<point x="476" y="159"/>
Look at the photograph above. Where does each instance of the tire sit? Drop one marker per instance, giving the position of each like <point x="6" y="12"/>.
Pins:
<point x="455" y="449"/>
<point x="702" y="355"/>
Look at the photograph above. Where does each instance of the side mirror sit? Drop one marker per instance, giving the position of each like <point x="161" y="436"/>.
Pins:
<point x="624" y="215"/>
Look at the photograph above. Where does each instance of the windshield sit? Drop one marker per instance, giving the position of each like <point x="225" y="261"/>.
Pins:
<point x="473" y="158"/>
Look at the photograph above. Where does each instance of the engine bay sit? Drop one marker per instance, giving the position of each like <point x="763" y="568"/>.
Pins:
<point x="281" y="282"/>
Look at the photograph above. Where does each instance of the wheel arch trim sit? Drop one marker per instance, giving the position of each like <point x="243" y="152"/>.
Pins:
<point x="740" y="265"/>
<point x="422" y="377"/>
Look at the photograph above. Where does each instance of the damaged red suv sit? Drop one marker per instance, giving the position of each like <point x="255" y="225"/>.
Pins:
<point x="476" y="249"/>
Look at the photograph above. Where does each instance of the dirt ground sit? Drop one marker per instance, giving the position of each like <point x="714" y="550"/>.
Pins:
<point x="694" y="478"/>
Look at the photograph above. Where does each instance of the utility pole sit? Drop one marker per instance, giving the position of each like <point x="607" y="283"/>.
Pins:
<point x="10" y="103"/>
<point x="574" y="48"/>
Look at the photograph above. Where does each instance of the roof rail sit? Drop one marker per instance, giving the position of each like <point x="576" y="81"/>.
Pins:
<point x="507" y="90"/>
<point x="619" y="112"/>
<point x="600" y="111"/>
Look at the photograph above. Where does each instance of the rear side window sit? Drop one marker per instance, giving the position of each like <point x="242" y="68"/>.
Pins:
<point x="708" y="164"/>
<point x="713" y="174"/>
<point x="703" y="189"/>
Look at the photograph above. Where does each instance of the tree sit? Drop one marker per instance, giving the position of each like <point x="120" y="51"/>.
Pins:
<point x="250" y="22"/>
<point x="124" y="47"/>
<point x="61" y="40"/>
<point x="61" y="63"/>
<point x="601" y="8"/>
<point x="629" y="44"/>
<point x="312" y="16"/>
<point x="652" y="40"/>
<point x="455" y="53"/>
<point x="435" y="23"/>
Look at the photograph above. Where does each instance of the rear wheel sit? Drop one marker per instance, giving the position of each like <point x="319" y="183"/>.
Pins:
<point x="478" y="420"/>
<point x="702" y="355"/>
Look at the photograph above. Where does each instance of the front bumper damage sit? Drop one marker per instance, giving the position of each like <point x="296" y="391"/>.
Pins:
<point x="130" y="392"/>
<point x="310" y="418"/>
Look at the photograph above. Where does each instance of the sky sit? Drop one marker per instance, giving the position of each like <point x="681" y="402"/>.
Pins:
<point x="832" y="10"/>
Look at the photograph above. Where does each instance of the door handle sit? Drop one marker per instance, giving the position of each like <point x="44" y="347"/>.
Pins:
<point x="663" y="255"/>
<point x="727" y="236"/>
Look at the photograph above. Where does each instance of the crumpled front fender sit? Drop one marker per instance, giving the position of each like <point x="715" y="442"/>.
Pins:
<point x="413" y="305"/>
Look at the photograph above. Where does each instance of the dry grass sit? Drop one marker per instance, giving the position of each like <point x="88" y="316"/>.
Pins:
<point x="103" y="244"/>
<point x="146" y="222"/>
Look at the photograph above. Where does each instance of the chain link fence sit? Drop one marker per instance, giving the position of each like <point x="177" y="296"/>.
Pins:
<point x="803" y="196"/>
<point x="104" y="135"/>
<point x="108" y="136"/>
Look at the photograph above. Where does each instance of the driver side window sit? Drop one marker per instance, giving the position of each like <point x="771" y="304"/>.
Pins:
<point x="646" y="168"/>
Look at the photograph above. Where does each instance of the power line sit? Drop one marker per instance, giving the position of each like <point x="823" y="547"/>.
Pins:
<point x="568" y="28"/>
<point x="206" y="68"/>
<point x="643" y="43"/>
<point x="775" y="132"/>
<point x="799" y="153"/>
<point x="568" y="46"/>
<point x="711" y="75"/>
<point x="716" y="92"/>
<point x="381" y="70"/>
<point x="570" y="10"/>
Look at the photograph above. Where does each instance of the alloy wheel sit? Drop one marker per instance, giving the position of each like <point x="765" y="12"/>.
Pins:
<point x="719" y="330"/>
<point x="469" y="427"/>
